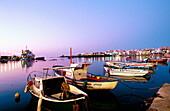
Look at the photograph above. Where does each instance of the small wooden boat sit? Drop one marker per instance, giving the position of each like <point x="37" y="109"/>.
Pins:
<point x="132" y="78"/>
<point x="133" y="65"/>
<point x="164" y="64"/>
<point x="128" y="68"/>
<point x="77" y="74"/>
<point x="125" y="72"/>
<point x="166" y="55"/>
<point x="55" y="91"/>
<point x="3" y="60"/>
<point x="163" y="60"/>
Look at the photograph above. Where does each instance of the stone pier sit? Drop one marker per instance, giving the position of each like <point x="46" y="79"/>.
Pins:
<point x="162" y="101"/>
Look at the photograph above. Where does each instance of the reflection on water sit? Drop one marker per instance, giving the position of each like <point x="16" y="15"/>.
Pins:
<point x="26" y="64"/>
<point x="13" y="79"/>
<point x="132" y="102"/>
<point x="11" y="65"/>
<point x="102" y="101"/>
<point x="32" y="105"/>
<point x="133" y="79"/>
<point x="97" y="101"/>
<point x="50" y="106"/>
<point x="114" y="58"/>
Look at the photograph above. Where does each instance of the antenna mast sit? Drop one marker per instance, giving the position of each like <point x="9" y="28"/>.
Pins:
<point x="70" y="55"/>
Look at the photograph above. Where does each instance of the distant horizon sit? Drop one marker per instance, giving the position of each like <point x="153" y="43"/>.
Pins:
<point x="68" y="52"/>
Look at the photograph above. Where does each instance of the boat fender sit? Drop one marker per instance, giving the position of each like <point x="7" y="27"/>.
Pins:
<point x="30" y="83"/>
<point x="84" y="85"/>
<point x="26" y="88"/>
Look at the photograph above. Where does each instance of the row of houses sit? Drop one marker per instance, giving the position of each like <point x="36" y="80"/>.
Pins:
<point x="132" y="52"/>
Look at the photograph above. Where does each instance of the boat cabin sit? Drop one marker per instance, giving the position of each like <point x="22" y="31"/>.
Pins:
<point x="80" y="70"/>
<point x="52" y="86"/>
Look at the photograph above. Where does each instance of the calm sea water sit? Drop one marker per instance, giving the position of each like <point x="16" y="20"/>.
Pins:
<point x="129" y="94"/>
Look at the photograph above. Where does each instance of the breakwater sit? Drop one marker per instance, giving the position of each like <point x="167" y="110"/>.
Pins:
<point x="162" y="101"/>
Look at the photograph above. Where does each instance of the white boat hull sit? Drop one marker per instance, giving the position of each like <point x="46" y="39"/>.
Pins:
<point x="125" y="72"/>
<point x="93" y="85"/>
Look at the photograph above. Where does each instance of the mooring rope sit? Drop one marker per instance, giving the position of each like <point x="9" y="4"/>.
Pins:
<point x="138" y="88"/>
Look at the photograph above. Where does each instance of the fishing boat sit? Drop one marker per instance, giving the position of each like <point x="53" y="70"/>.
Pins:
<point x="3" y="60"/>
<point x="125" y="72"/>
<point x="133" y="65"/>
<point x="164" y="64"/>
<point x="27" y="55"/>
<point x="118" y="65"/>
<point x="55" y="91"/>
<point x="77" y="74"/>
<point x="163" y="60"/>
<point x="166" y="55"/>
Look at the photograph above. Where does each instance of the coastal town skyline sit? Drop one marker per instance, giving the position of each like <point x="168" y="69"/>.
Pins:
<point x="50" y="28"/>
<point x="146" y="51"/>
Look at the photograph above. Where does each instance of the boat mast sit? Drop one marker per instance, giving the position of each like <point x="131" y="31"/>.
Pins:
<point x="70" y="55"/>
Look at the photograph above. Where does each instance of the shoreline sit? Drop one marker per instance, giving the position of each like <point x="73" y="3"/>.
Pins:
<point x="74" y="56"/>
<point x="162" y="101"/>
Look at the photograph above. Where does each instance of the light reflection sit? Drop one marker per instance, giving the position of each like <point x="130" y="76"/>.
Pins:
<point x="111" y="58"/>
<point x="1" y="68"/>
<point x="26" y="64"/>
<point x="5" y="68"/>
<point x="11" y="65"/>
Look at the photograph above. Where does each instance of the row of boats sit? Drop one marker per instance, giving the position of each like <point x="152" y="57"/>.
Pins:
<point x="62" y="85"/>
<point x="128" y="69"/>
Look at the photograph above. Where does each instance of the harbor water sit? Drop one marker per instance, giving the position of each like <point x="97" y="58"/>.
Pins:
<point x="131" y="93"/>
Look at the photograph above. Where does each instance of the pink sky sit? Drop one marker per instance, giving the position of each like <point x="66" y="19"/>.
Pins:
<point x="50" y="28"/>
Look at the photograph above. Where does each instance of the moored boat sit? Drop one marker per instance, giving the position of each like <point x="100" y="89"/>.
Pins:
<point x="132" y="78"/>
<point x="3" y="60"/>
<point x="77" y="74"/>
<point x="127" y="68"/>
<point x="133" y="65"/>
<point x="56" y="92"/>
<point x="163" y="60"/>
<point x="167" y="55"/>
<point x="125" y="72"/>
<point x="27" y="55"/>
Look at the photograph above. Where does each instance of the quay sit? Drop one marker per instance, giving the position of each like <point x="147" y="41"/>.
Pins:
<point x="86" y="56"/>
<point x="162" y="101"/>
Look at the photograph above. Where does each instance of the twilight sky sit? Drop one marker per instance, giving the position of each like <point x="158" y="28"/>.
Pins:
<point x="51" y="27"/>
